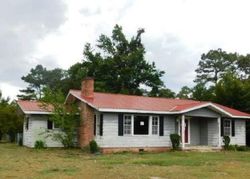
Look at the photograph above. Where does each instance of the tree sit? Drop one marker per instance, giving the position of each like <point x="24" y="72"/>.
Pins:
<point x="76" y="73"/>
<point x="39" y="78"/>
<point x="27" y="94"/>
<point x="243" y="64"/>
<point x="213" y="65"/>
<point x="119" y="65"/>
<point x="162" y="92"/>
<point x="10" y="122"/>
<point x="233" y="92"/>
<point x="202" y="93"/>
<point x="36" y="80"/>
<point x="63" y="116"/>
<point x="184" y="93"/>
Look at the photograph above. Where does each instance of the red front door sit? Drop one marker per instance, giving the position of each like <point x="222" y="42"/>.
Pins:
<point x="186" y="131"/>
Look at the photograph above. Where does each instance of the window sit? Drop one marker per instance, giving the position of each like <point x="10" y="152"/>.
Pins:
<point x="55" y="125"/>
<point x="227" y="127"/>
<point x="49" y="124"/>
<point x="27" y="123"/>
<point x="127" y="124"/>
<point x="98" y="124"/>
<point x="141" y="125"/>
<point x="155" y="124"/>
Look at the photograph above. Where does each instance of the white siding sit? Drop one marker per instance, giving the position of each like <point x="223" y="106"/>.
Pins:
<point x="240" y="133"/>
<point x="27" y="135"/>
<point x="110" y="136"/>
<point x="38" y="131"/>
<point x="203" y="112"/>
<point x="213" y="132"/>
<point x="194" y="132"/>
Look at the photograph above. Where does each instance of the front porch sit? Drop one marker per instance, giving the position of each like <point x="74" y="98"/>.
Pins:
<point x="199" y="133"/>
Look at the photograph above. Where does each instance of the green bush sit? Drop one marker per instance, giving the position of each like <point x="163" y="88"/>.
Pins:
<point x="241" y="148"/>
<point x="93" y="146"/>
<point x="39" y="144"/>
<point x="226" y="141"/>
<point x="232" y="147"/>
<point x="175" y="139"/>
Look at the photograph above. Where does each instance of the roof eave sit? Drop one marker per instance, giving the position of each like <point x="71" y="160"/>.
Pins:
<point x="83" y="100"/>
<point x="37" y="112"/>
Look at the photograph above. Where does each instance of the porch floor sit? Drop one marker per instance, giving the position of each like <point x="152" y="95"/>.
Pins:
<point x="202" y="148"/>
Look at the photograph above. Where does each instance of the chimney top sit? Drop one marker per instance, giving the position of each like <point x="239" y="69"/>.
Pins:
<point x="87" y="88"/>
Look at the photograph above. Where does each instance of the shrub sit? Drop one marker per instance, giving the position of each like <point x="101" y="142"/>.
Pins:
<point x="175" y="139"/>
<point x="39" y="144"/>
<point x="93" y="146"/>
<point x="232" y="147"/>
<point x="241" y="148"/>
<point x="226" y="141"/>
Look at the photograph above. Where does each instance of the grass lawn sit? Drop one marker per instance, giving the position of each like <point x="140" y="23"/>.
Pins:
<point x="22" y="162"/>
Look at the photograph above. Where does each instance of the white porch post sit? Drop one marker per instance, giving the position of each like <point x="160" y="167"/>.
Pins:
<point x="183" y="131"/>
<point x="219" y="129"/>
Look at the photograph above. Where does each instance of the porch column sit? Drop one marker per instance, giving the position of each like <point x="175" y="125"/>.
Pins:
<point x="219" y="129"/>
<point x="183" y="131"/>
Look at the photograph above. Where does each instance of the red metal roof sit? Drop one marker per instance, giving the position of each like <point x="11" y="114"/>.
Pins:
<point x="130" y="102"/>
<point x="33" y="106"/>
<point x="232" y="111"/>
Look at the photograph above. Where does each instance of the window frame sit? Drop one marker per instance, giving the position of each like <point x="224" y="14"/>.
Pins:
<point x="52" y="125"/>
<point x="150" y="120"/>
<point x="131" y="124"/>
<point x="149" y="125"/>
<point x="152" y="125"/>
<point x="226" y="127"/>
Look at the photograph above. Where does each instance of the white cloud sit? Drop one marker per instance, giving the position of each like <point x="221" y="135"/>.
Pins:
<point x="177" y="32"/>
<point x="9" y="90"/>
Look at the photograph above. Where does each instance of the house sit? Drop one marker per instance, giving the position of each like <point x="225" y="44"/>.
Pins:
<point x="37" y="124"/>
<point x="125" y="122"/>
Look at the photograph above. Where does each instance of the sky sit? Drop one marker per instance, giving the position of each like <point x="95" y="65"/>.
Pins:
<point x="177" y="32"/>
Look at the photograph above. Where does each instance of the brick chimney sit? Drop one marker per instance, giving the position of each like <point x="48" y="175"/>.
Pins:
<point x="86" y="130"/>
<point x="87" y="88"/>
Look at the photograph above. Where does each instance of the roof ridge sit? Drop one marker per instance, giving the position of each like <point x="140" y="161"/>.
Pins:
<point x="154" y="97"/>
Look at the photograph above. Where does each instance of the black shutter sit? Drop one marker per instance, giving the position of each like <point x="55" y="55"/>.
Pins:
<point x="161" y="132"/>
<point x="94" y="124"/>
<point x="233" y="127"/>
<point x="120" y="124"/>
<point x="101" y="124"/>
<point x="49" y="124"/>
<point x="222" y="127"/>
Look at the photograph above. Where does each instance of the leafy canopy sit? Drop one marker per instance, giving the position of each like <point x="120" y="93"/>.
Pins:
<point x="40" y="78"/>
<point x="213" y="65"/>
<point x="10" y="122"/>
<point x="64" y="116"/>
<point x="118" y="64"/>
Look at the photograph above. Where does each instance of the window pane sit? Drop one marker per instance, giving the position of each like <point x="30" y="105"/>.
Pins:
<point x="49" y="124"/>
<point x="141" y="125"/>
<point x="154" y="125"/>
<point x="127" y="124"/>
<point x="227" y="127"/>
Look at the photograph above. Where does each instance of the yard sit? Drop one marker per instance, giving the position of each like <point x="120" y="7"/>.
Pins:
<point x="21" y="162"/>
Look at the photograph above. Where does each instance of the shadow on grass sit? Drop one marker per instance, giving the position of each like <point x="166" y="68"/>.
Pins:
<point x="67" y="171"/>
